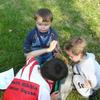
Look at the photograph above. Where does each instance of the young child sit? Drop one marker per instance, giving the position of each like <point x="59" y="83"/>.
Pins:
<point x="33" y="82"/>
<point x="41" y="36"/>
<point x="86" y="69"/>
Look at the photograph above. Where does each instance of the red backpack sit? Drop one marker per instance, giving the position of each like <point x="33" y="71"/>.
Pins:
<point x="21" y="89"/>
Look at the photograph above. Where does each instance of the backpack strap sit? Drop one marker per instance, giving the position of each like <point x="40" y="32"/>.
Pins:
<point x="51" y="84"/>
<point x="29" y="61"/>
<point x="31" y="68"/>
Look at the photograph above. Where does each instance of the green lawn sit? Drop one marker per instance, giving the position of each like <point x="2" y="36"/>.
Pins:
<point x="71" y="18"/>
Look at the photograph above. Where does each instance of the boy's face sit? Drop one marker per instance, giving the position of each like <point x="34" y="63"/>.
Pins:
<point x="42" y="26"/>
<point x="74" y="58"/>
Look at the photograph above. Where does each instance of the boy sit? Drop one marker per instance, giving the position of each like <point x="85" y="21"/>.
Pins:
<point x="33" y="82"/>
<point x="41" y="36"/>
<point x="86" y="69"/>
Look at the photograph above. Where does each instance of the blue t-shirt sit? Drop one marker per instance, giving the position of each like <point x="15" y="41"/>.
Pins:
<point x="37" y="40"/>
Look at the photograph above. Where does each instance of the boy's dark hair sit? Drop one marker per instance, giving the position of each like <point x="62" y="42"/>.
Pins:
<point x="54" y="70"/>
<point x="45" y="13"/>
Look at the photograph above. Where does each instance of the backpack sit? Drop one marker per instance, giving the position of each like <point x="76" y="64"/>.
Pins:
<point x="21" y="89"/>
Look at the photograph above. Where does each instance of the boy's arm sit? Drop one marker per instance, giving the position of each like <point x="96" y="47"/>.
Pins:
<point x="42" y="51"/>
<point x="28" y="42"/>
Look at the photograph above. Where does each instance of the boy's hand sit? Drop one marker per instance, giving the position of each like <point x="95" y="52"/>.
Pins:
<point x="55" y="95"/>
<point x="52" y="46"/>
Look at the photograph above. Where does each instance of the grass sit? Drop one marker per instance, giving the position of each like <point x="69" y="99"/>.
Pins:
<point x="71" y="18"/>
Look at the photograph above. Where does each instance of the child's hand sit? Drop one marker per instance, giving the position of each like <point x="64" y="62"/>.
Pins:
<point x="57" y="55"/>
<point x="87" y="84"/>
<point x="55" y="95"/>
<point x="52" y="46"/>
<point x="28" y="56"/>
<point x="57" y="51"/>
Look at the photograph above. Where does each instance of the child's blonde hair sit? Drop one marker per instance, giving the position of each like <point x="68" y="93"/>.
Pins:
<point x="76" y="45"/>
